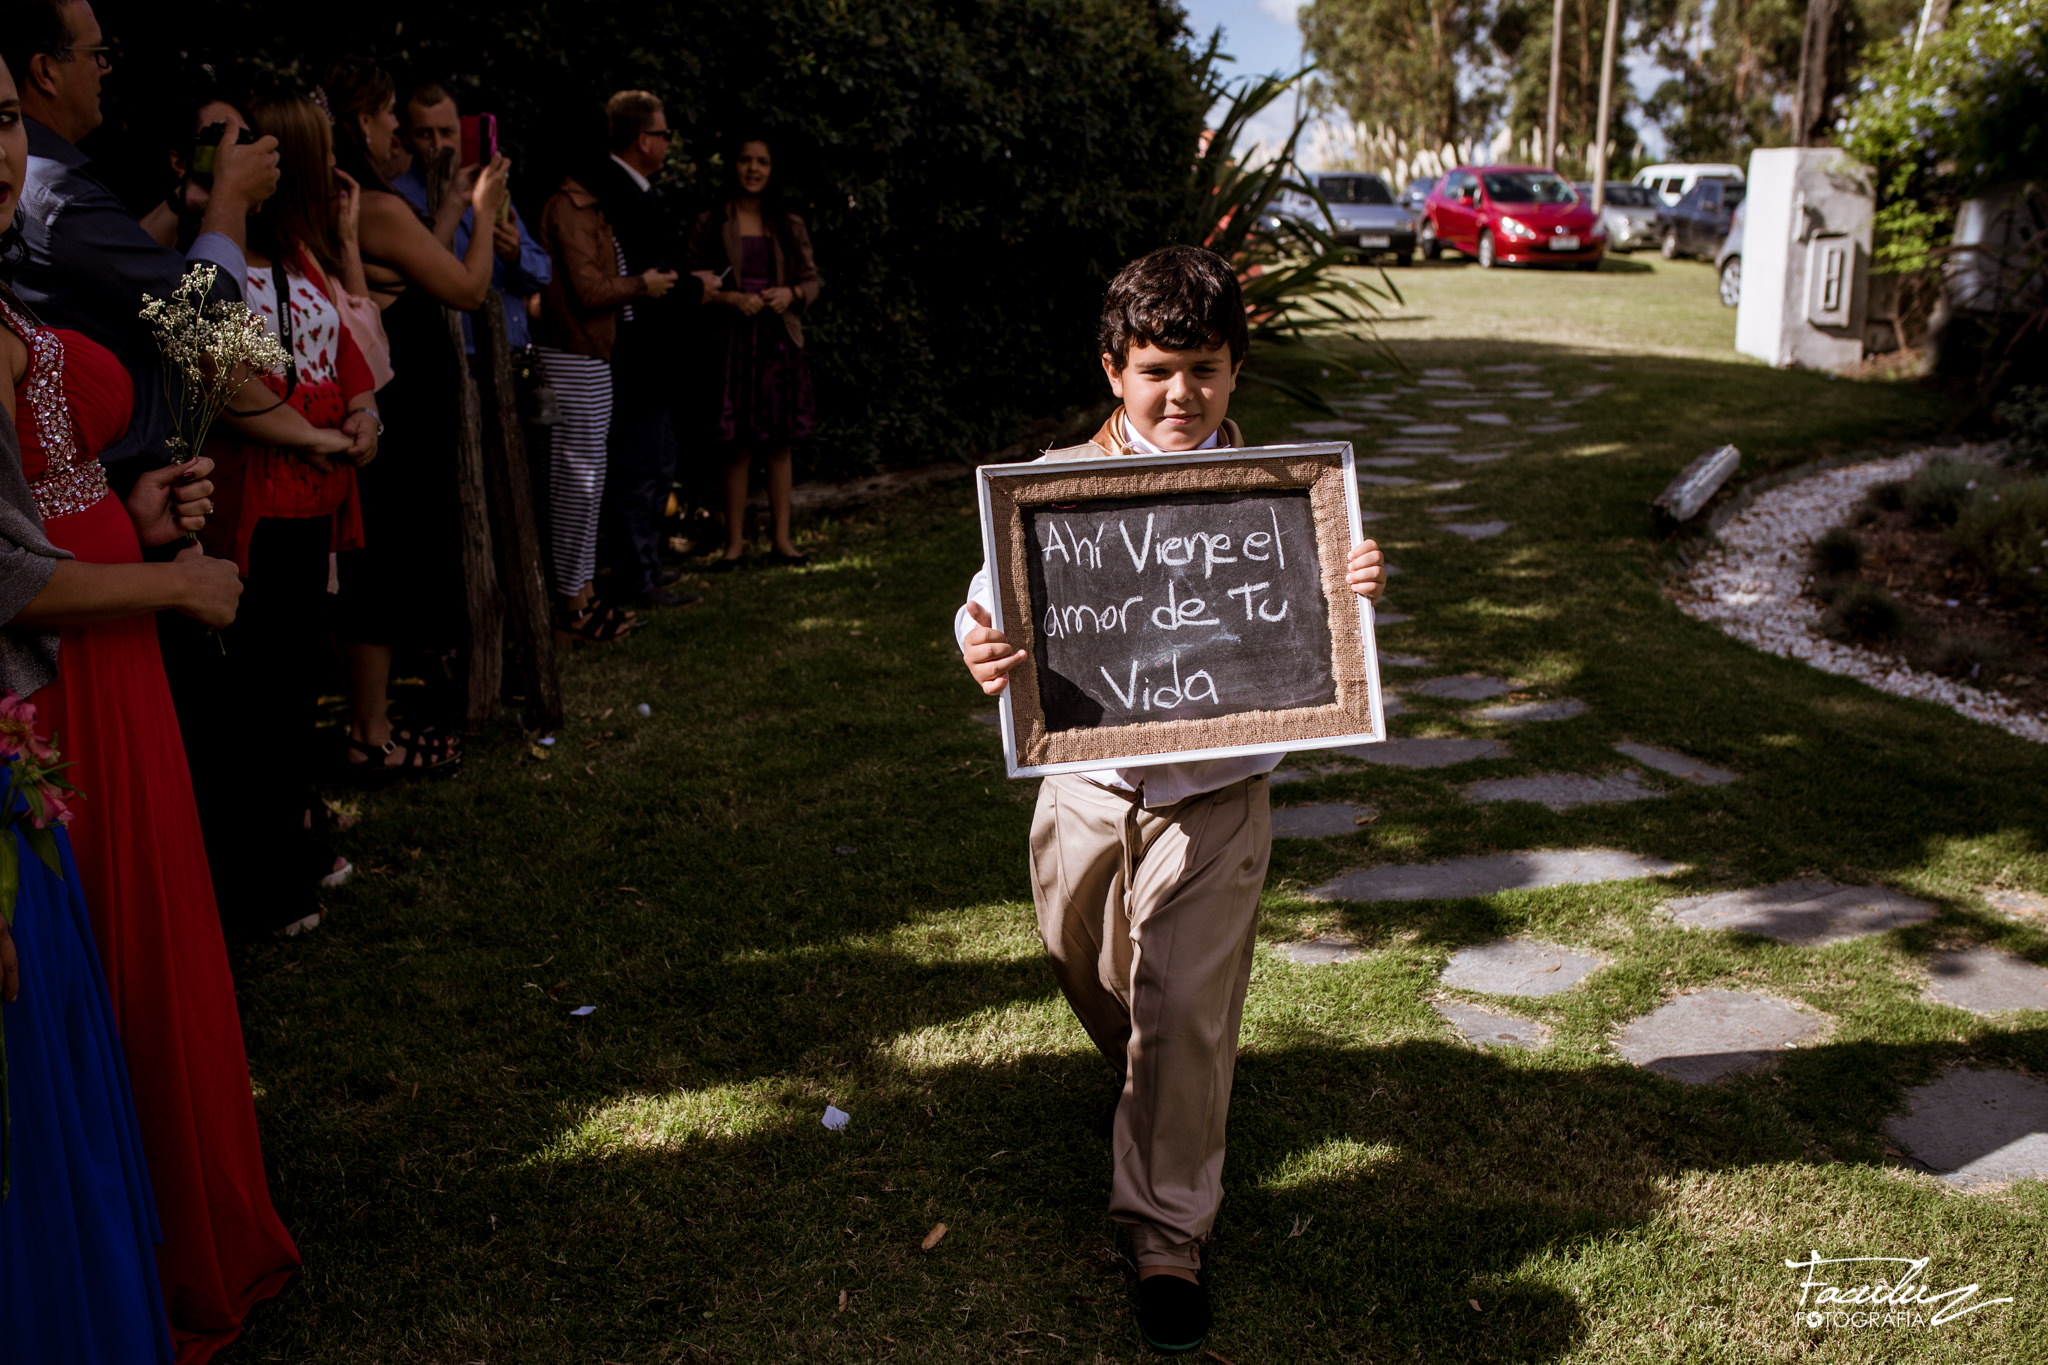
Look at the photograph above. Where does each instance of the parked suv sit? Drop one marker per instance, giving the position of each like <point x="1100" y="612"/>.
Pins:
<point x="1364" y="212"/>
<point x="1513" y="214"/>
<point x="1670" y="180"/>
<point x="1698" y="223"/>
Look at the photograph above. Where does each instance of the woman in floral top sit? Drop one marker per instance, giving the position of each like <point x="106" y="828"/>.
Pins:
<point x="281" y="513"/>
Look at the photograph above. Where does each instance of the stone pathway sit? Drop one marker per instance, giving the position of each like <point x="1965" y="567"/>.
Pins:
<point x="1517" y="967"/>
<point x="1325" y="820"/>
<point x="1484" y="1028"/>
<point x="1677" y="764"/>
<point x="1462" y="687"/>
<point x="1479" y="457"/>
<point x="1564" y="708"/>
<point x="1476" y="530"/>
<point x="1986" y="981"/>
<point x="1703" y="1037"/>
<point x="1457" y="878"/>
<point x="2019" y="904"/>
<point x="1977" y="1128"/>
<point x="1810" y="914"/>
<point x="1404" y="661"/>
<point x="1318" y="952"/>
<point x="1562" y="791"/>
<point x="1425" y="753"/>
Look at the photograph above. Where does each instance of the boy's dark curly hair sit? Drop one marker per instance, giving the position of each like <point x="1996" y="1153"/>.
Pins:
<point x="1178" y="298"/>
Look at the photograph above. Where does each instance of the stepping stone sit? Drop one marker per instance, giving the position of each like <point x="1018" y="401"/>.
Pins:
<point x="1431" y="429"/>
<point x="1516" y="967"/>
<point x="1457" y="878"/>
<point x="1282" y="776"/>
<point x="1562" y="709"/>
<point x="1447" y="486"/>
<point x="1703" y="1037"/>
<point x="1476" y="530"/>
<point x="1451" y="508"/>
<point x="1326" y="820"/>
<point x="1384" y="480"/>
<point x="1462" y="687"/>
<point x="1562" y="791"/>
<point x="1484" y="1028"/>
<point x="1390" y="618"/>
<point x="1445" y="372"/>
<point x="1809" y="914"/>
<point x="2024" y="904"/>
<point x="1404" y="660"/>
<point x="1319" y="951"/>
<point x="1480" y="457"/>
<point x="1459" y="402"/>
<point x="1444" y="383"/>
<point x="1986" y="981"/>
<point x="1387" y="462"/>
<point x="1550" y="428"/>
<point x="992" y="719"/>
<point x="1677" y="764"/>
<point x="1976" y="1127"/>
<point x="1516" y="367"/>
<point x="1594" y="390"/>
<point x="1328" y="428"/>
<point x="1425" y="753"/>
<point x="1491" y="419"/>
<point x="1528" y="393"/>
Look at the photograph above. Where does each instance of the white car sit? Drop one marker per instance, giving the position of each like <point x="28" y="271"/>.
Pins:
<point x="1671" y="179"/>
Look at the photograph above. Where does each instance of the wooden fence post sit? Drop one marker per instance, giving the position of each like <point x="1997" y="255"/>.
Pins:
<point x="515" y="528"/>
<point x="479" y="574"/>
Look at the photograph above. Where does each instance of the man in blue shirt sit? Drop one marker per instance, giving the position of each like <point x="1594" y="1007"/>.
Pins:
<point x="89" y="262"/>
<point x="433" y="127"/>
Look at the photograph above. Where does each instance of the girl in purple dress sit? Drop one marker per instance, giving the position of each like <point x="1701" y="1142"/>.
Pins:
<point x="764" y="400"/>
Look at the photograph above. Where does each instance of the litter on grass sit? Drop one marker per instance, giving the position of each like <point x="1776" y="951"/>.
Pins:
<point x="643" y="709"/>
<point x="582" y="1010"/>
<point x="934" y="1237"/>
<point x="836" y="1118"/>
<point x="548" y="740"/>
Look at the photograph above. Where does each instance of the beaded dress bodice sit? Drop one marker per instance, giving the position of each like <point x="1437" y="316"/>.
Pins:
<point x="73" y="401"/>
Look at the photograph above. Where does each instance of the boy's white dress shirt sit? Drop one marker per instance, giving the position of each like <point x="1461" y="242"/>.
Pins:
<point x="1163" y="783"/>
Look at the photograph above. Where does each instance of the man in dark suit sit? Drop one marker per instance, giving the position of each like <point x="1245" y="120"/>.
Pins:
<point x="649" y="360"/>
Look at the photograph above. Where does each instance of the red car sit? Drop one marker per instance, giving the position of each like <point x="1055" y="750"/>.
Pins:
<point x="1512" y="214"/>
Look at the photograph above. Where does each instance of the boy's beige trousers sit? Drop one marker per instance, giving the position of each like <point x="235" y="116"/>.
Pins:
<point x="1150" y="917"/>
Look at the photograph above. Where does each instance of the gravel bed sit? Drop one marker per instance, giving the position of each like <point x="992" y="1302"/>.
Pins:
<point x="1751" y="586"/>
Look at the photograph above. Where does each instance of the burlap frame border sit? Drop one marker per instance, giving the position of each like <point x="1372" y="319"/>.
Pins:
<point x="1322" y="474"/>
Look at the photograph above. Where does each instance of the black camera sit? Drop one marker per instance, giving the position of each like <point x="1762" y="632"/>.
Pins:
<point x="206" y="145"/>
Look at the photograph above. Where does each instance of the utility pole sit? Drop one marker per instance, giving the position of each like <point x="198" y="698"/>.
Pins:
<point x="1606" y="103"/>
<point x="1556" y="71"/>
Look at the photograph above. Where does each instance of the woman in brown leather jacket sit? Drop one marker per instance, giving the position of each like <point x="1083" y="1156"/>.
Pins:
<point x="764" y="398"/>
<point x="579" y="324"/>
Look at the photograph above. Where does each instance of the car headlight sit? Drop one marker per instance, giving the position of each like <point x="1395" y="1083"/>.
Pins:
<point x="1515" y="228"/>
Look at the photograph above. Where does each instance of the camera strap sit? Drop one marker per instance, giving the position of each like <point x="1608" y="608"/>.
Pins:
<point x="280" y="285"/>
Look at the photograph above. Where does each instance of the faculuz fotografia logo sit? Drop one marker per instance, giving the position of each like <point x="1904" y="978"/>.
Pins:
<point x="1884" y="1292"/>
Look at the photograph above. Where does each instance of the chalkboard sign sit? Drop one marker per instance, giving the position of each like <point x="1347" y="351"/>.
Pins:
<point x="1179" y="606"/>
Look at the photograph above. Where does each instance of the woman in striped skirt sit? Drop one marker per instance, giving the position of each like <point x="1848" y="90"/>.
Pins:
<point x="579" y="324"/>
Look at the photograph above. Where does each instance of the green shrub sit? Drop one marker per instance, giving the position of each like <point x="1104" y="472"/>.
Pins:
<point x="1838" y="552"/>
<point x="1966" y="656"/>
<point x="2025" y="415"/>
<point x="2005" y="530"/>
<point x="1865" y="615"/>
<point x="972" y="171"/>
<point x="1937" y="494"/>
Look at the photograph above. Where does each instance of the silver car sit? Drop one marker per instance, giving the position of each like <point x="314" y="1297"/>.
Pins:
<point x="1630" y="216"/>
<point x="1728" y="262"/>
<point x="1367" y="218"/>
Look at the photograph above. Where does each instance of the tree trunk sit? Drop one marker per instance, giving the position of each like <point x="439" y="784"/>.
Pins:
<point x="1556" y="72"/>
<point x="479" y="574"/>
<point x="1606" y="107"/>
<point x="515" y="527"/>
<point x="1821" y="59"/>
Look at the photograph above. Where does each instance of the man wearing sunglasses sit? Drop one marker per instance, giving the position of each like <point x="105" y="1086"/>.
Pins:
<point x="89" y="261"/>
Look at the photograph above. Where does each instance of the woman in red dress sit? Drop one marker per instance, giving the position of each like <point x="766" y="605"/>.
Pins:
<point x="141" y="859"/>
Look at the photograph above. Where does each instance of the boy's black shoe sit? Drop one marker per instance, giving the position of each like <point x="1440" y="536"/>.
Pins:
<point x="1173" y="1314"/>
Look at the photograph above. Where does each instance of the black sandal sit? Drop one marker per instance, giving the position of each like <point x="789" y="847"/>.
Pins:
<point x="426" y="755"/>
<point x="596" y="624"/>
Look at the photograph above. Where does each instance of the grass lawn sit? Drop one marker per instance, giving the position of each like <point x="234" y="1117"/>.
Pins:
<point x="802" y="880"/>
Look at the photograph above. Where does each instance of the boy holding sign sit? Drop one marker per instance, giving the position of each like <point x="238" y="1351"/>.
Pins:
<point x="1147" y="879"/>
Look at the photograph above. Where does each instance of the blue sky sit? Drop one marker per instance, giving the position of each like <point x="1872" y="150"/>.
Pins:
<point x="1263" y="36"/>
